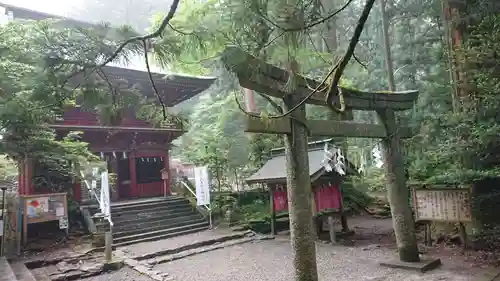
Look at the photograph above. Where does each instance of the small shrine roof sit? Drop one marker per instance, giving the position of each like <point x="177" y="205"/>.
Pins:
<point x="274" y="170"/>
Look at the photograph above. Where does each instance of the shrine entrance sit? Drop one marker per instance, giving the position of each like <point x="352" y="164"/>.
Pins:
<point x="255" y="74"/>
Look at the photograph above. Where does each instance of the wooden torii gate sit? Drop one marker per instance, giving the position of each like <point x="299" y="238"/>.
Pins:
<point x="268" y="79"/>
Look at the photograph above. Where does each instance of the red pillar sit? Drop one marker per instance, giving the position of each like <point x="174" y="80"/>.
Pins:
<point x="134" y="191"/>
<point x="166" y="165"/>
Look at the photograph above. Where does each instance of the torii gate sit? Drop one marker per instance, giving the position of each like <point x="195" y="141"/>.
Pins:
<point x="268" y="79"/>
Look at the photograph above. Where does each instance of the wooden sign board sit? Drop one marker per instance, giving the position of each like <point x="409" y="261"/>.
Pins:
<point x="443" y="204"/>
<point x="43" y="208"/>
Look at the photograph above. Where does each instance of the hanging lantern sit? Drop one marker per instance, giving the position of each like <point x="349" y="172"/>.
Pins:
<point x="124" y="155"/>
<point x="102" y="155"/>
<point x="114" y="154"/>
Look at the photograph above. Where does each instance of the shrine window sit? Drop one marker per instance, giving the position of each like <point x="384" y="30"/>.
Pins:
<point x="148" y="169"/>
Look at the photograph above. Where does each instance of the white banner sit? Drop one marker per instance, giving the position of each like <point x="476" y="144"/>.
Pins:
<point x="105" y="199"/>
<point x="202" y="185"/>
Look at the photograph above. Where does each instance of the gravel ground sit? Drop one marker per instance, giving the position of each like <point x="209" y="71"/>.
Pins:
<point x="271" y="260"/>
<point x="124" y="274"/>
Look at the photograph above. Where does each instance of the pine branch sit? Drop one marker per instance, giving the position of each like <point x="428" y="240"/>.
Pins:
<point x="157" y="93"/>
<point x="154" y="34"/>
<point x="307" y="26"/>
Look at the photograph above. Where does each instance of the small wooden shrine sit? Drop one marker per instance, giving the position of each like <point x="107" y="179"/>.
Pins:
<point x="326" y="186"/>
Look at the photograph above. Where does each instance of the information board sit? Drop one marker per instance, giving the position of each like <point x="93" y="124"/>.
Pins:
<point x="442" y="204"/>
<point x="44" y="207"/>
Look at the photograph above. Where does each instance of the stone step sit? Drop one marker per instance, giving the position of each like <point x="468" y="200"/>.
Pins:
<point x="160" y="234"/>
<point x="137" y="206"/>
<point x="135" y="220"/>
<point x="198" y="242"/>
<point x="149" y="205"/>
<point x="152" y="214"/>
<point x="176" y="224"/>
<point x="200" y="250"/>
<point x="155" y="221"/>
<point x="154" y="210"/>
<point x="144" y="201"/>
<point x="22" y="272"/>
<point x="6" y="272"/>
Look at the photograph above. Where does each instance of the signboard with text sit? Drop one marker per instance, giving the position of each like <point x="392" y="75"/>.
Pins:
<point x="202" y="183"/>
<point x="445" y="204"/>
<point x="43" y="208"/>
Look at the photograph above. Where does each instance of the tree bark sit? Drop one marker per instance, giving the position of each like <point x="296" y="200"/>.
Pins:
<point x="331" y="40"/>
<point x="402" y="218"/>
<point x="299" y="196"/>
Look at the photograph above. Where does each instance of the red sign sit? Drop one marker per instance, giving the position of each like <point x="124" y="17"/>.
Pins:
<point x="328" y="197"/>
<point x="280" y="200"/>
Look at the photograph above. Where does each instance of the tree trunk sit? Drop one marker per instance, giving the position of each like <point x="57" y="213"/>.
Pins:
<point x="299" y="196"/>
<point x="331" y="47"/>
<point x="402" y="218"/>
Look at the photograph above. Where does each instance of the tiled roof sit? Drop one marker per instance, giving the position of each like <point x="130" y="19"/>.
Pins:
<point x="275" y="169"/>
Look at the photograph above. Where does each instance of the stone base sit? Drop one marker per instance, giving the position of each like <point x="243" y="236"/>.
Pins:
<point x="425" y="264"/>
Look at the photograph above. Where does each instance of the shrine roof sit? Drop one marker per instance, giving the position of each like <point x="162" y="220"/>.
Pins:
<point x="174" y="88"/>
<point x="274" y="170"/>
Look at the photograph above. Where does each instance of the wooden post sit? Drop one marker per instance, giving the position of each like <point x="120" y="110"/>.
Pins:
<point x="397" y="192"/>
<point x="133" y="189"/>
<point x="331" y="229"/>
<point x="108" y="244"/>
<point x="343" y="217"/>
<point x="428" y="234"/>
<point x="463" y="235"/>
<point x="298" y="184"/>
<point x="273" y="211"/>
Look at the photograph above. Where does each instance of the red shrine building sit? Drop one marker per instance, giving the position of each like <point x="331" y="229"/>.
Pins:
<point x="136" y="152"/>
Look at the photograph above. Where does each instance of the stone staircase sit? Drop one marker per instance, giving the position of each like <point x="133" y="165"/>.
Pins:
<point x="150" y="219"/>
<point x="15" y="271"/>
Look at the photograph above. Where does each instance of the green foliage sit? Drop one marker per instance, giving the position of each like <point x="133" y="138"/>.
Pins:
<point x="373" y="181"/>
<point x="8" y="168"/>
<point x="465" y="140"/>
<point x="41" y="74"/>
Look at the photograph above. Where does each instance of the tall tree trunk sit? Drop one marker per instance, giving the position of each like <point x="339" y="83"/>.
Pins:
<point x="298" y="180"/>
<point x="331" y="40"/>
<point x="402" y="218"/>
<point x="299" y="196"/>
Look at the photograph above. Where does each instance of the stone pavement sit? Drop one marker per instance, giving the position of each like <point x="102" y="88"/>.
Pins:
<point x="173" y="243"/>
